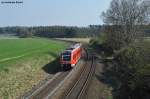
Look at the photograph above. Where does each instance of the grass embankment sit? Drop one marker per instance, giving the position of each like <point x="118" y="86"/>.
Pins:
<point x="22" y="61"/>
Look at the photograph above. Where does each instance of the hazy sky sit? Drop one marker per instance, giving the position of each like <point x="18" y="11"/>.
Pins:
<point x="52" y="12"/>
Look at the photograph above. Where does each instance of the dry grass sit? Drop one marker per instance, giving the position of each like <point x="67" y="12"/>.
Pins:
<point x="82" y="40"/>
<point x="28" y="73"/>
<point x="147" y="38"/>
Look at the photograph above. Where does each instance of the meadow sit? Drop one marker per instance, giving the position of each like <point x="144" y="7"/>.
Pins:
<point x="21" y="63"/>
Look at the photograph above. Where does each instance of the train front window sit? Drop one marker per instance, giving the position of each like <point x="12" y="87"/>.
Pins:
<point x="66" y="56"/>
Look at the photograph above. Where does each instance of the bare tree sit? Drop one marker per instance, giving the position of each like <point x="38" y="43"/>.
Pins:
<point x="126" y="17"/>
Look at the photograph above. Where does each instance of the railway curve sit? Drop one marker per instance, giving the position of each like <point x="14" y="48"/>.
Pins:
<point x="67" y="85"/>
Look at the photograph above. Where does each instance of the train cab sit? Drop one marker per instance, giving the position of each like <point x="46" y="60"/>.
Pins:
<point x="70" y="56"/>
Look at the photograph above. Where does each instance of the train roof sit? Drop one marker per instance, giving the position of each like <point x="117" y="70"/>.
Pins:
<point x="75" y="46"/>
<point x="71" y="48"/>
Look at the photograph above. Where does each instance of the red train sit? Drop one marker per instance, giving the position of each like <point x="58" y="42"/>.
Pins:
<point x="70" y="56"/>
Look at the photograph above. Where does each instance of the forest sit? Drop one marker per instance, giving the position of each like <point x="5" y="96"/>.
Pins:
<point x="53" y="31"/>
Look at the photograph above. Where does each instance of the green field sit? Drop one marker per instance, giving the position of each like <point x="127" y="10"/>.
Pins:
<point x="21" y="63"/>
<point x="12" y="50"/>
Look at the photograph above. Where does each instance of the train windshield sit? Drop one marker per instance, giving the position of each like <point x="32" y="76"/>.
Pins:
<point x="66" y="56"/>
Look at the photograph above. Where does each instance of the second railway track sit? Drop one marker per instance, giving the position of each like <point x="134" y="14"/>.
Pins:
<point x="46" y="88"/>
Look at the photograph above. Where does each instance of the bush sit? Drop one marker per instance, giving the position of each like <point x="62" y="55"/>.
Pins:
<point x="100" y="46"/>
<point x="133" y="72"/>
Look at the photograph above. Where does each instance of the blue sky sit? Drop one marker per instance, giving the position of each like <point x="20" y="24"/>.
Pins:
<point x="52" y="12"/>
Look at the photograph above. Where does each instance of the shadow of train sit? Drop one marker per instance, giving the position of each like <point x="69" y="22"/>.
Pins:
<point x="52" y="67"/>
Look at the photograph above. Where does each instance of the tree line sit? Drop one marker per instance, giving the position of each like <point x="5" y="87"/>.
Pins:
<point x="59" y="31"/>
<point x="52" y="31"/>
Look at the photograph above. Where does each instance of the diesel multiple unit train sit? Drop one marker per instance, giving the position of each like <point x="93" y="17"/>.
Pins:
<point x="70" y="56"/>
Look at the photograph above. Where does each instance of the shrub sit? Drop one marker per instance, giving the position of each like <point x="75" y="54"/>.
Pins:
<point x="133" y="71"/>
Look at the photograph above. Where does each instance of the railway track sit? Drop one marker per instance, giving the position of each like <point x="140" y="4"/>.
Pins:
<point x="46" y="88"/>
<point x="76" y="90"/>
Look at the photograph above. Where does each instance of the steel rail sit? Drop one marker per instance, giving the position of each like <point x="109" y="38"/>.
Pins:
<point x="78" y="90"/>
